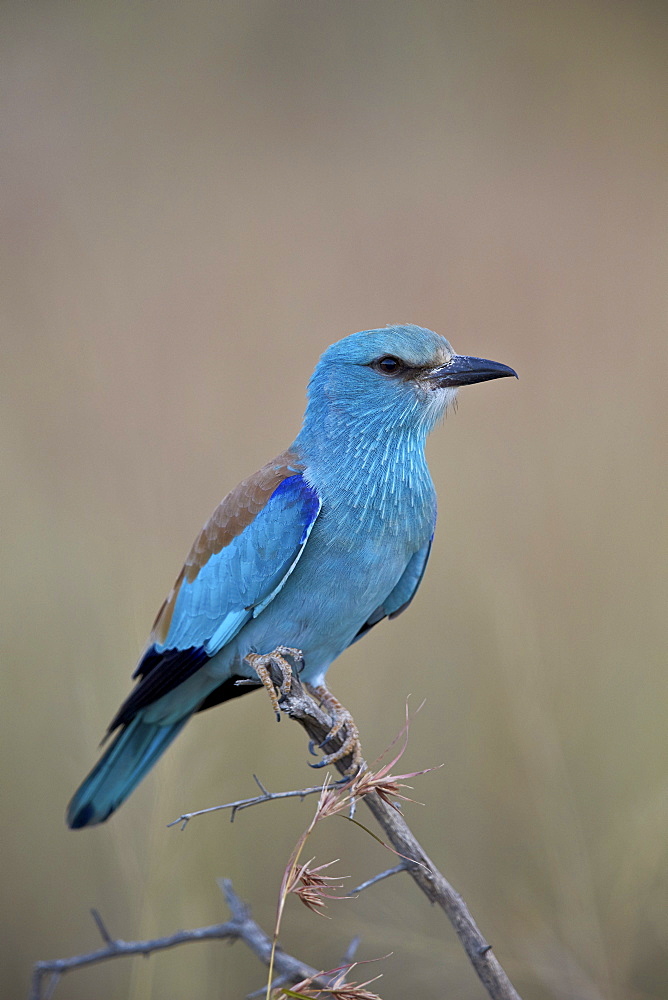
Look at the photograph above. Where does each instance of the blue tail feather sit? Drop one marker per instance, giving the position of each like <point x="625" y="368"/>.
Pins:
<point x="132" y="754"/>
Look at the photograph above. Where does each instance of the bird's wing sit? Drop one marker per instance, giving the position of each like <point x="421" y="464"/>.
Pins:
<point x="239" y="562"/>
<point x="403" y="593"/>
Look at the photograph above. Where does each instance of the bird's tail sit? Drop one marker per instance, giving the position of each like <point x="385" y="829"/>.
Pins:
<point x="132" y="754"/>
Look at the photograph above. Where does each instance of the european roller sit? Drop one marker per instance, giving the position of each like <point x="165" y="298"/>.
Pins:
<point x="302" y="558"/>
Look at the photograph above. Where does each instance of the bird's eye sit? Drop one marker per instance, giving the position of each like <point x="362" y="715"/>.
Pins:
<point x="388" y="365"/>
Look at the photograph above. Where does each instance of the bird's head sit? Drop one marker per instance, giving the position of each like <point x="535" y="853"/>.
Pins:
<point x="399" y="377"/>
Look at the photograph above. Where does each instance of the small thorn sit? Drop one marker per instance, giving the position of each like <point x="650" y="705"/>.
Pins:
<point x="265" y="791"/>
<point x="484" y="949"/>
<point x="104" y="933"/>
<point x="351" y="950"/>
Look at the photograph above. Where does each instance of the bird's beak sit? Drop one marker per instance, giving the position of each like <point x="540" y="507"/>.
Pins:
<point x="461" y="370"/>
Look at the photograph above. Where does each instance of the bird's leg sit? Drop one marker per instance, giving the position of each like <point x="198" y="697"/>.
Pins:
<point x="341" y="718"/>
<point x="261" y="664"/>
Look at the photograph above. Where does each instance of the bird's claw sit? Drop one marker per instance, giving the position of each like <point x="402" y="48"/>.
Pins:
<point x="262" y="663"/>
<point x="349" y="748"/>
<point x="341" y="719"/>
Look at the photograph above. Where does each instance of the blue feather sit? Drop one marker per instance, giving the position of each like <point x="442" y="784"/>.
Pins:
<point x="134" y="752"/>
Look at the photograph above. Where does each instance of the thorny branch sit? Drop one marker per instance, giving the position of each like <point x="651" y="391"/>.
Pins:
<point x="235" y="807"/>
<point x="241" y="926"/>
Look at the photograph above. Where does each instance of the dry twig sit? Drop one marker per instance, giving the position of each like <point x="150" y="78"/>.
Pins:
<point x="241" y="926"/>
<point x="255" y="800"/>
<point x="299" y="705"/>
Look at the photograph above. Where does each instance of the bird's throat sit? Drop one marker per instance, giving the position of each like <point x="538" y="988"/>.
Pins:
<point x="373" y="478"/>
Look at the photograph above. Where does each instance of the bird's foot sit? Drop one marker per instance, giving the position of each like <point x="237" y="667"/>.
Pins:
<point x="342" y="719"/>
<point x="261" y="664"/>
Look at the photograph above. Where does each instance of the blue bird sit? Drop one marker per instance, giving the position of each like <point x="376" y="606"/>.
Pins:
<point x="302" y="558"/>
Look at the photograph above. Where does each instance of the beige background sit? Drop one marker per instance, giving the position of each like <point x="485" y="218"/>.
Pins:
<point x="196" y="199"/>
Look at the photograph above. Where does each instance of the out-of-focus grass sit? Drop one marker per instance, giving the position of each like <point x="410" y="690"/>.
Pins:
<point x="197" y="200"/>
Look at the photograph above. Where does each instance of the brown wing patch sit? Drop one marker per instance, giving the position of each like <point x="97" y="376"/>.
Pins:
<point x="234" y="513"/>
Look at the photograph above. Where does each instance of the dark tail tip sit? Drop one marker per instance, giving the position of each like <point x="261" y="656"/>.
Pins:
<point x="86" y="816"/>
<point x="81" y="817"/>
<point x="120" y="769"/>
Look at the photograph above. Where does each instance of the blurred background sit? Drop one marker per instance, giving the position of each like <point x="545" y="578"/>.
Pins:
<point x="196" y="200"/>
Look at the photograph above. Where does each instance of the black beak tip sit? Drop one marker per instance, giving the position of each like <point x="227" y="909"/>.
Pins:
<point x="462" y="370"/>
<point x="492" y="369"/>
